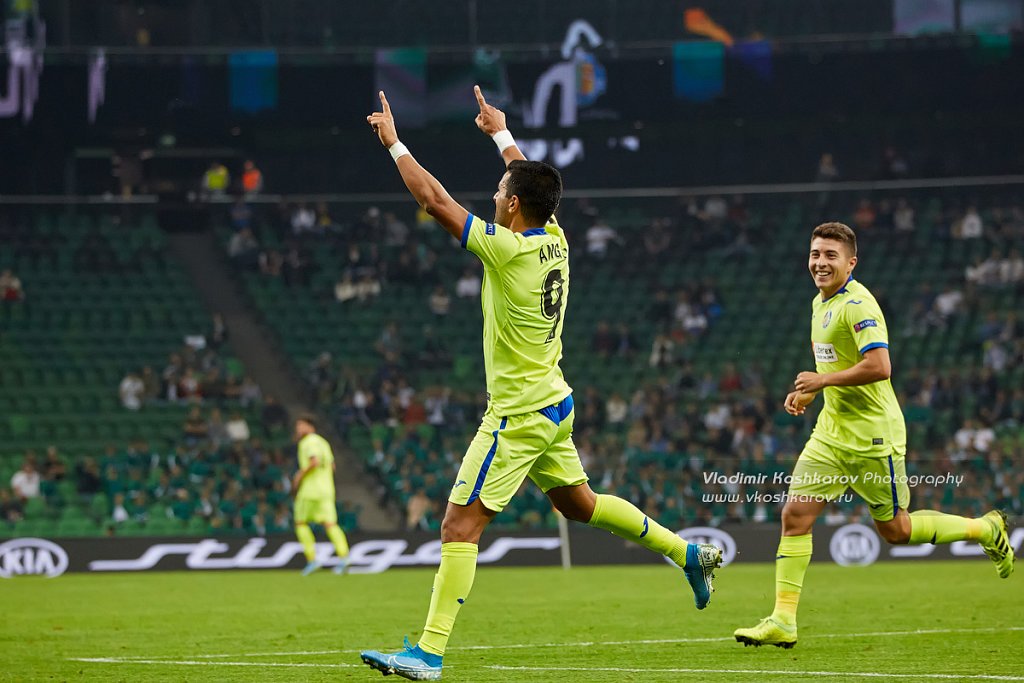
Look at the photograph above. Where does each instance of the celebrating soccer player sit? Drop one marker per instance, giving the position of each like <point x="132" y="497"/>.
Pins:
<point x="527" y="429"/>
<point x="859" y="438"/>
<point x="313" y="485"/>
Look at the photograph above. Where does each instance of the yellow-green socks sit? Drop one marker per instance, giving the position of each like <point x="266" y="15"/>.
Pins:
<point x="625" y="520"/>
<point x="790" y="566"/>
<point x="308" y="541"/>
<point x="337" y="537"/>
<point x="452" y="584"/>
<point x="930" y="526"/>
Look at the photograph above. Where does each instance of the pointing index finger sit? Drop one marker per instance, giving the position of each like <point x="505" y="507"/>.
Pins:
<point x="479" y="97"/>
<point x="384" y="103"/>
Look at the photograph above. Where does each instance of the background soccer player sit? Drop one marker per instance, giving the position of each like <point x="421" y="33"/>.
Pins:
<point x="314" y="495"/>
<point x="527" y="429"/>
<point x="860" y="434"/>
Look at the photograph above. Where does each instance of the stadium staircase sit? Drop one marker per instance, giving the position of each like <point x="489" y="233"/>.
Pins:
<point x="202" y="259"/>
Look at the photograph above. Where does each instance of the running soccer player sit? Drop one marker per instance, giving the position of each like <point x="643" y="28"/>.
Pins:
<point x="860" y="434"/>
<point x="314" y="495"/>
<point x="527" y="428"/>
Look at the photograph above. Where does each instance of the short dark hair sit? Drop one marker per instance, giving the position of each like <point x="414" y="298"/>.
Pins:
<point x="309" y="418"/>
<point x="539" y="188"/>
<point x="839" y="232"/>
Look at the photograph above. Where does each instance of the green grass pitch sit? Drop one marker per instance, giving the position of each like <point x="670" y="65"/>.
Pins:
<point x="914" y="621"/>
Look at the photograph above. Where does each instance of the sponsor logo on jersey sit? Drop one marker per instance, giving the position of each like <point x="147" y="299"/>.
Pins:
<point x="863" y="324"/>
<point x="489" y="229"/>
<point x="855" y="302"/>
<point x="827" y="319"/>
<point x="825" y="353"/>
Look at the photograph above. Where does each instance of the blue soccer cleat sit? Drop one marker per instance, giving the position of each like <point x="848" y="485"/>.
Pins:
<point x="412" y="663"/>
<point x="311" y="567"/>
<point x="701" y="561"/>
<point x="342" y="566"/>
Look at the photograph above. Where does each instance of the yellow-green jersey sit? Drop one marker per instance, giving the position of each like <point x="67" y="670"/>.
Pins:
<point x="524" y="293"/>
<point x="319" y="483"/>
<point x="861" y="419"/>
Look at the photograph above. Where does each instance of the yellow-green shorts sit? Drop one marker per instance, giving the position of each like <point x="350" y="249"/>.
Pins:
<point x="824" y="472"/>
<point x="316" y="510"/>
<point x="508" y="449"/>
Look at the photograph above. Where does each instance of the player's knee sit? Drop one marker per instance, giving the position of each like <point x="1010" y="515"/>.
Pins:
<point x="459" y="529"/>
<point x="575" y="511"/>
<point x="795" y="521"/>
<point x="895" y="535"/>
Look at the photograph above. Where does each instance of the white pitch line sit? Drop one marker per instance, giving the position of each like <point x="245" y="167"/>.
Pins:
<point x="759" y="672"/>
<point x="189" y="662"/>
<point x="659" y="641"/>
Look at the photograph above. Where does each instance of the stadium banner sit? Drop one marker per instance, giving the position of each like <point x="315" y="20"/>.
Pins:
<point x="847" y="545"/>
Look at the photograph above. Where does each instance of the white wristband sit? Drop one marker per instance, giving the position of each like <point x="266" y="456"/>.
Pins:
<point x="398" y="150"/>
<point x="503" y="139"/>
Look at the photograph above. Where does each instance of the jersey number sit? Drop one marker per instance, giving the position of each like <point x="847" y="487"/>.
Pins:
<point x="552" y="300"/>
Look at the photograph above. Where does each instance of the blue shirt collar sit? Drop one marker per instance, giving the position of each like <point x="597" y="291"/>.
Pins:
<point x="842" y="290"/>
<point x="534" y="231"/>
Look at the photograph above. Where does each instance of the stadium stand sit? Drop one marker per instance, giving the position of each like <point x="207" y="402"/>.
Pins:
<point x="686" y="324"/>
<point x="103" y="300"/>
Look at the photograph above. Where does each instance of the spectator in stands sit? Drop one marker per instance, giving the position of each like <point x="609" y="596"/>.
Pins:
<point x="131" y="391"/>
<point x="322" y="377"/>
<point x="295" y="267"/>
<point x="603" y="341"/>
<point x="396" y="232"/>
<point x="660" y="310"/>
<point x="243" y="249"/>
<point x="252" y="179"/>
<point x="432" y="351"/>
<point x="716" y="210"/>
<point x="270" y="262"/>
<point x="827" y="170"/>
<point x="416" y="511"/>
<point x="273" y="416"/>
<point x="865" y="215"/>
<point x="468" y="286"/>
<point x="599" y="235"/>
<point x="903" y="220"/>
<point x="661" y="351"/>
<point x="87" y="476"/>
<point x="657" y="238"/>
<point x="10" y="286"/>
<point x="390" y="340"/>
<point x="188" y="386"/>
<point x="237" y="428"/>
<point x="11" y="509"/>
<point x="194" y="429"/>
<point x="369" y="287"/>
<point x="894" y="166"/>
<point x="440" y="303"/>
<point x="344" y="289"/>
<point x="946" y="305"/>
<point x="249" y="393"/>
<point x="216" y="180"/>
<point x="625" y="343"/>
<point x="616" y="410"/>
<point x="241" y="215"/>
<point x="26" y="481"/>
<point x="218" y="334"/>
<point x="325" y="224"/>
<point x="1011" y="269"/>
<point x="54" y="468"/>
<point x="303" y="220"/>
<point x="969" y="226"/>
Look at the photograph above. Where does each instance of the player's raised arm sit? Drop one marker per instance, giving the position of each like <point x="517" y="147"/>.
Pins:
<point x="425" y="188"/>
<point x="491" y="121"/>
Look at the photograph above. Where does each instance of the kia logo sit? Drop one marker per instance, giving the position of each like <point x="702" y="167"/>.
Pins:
<point x="854" y="545"/>
<point x="709" y="534"/>
<point x="28" y="556"/>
